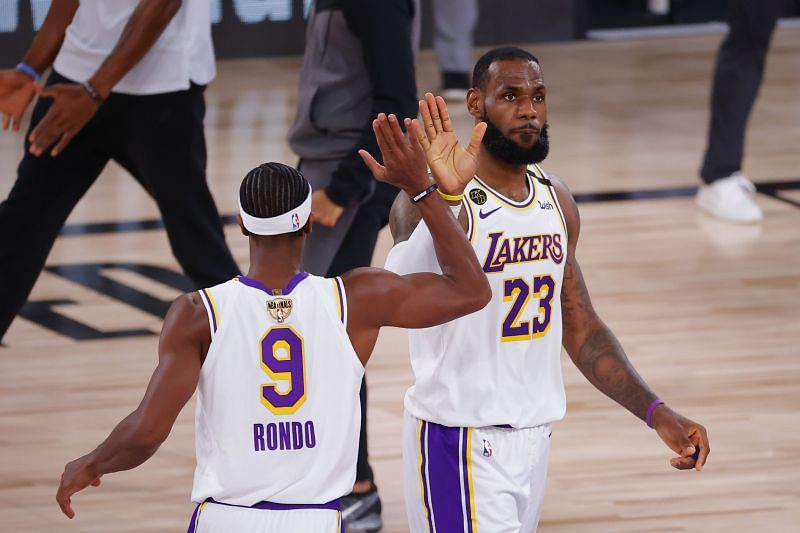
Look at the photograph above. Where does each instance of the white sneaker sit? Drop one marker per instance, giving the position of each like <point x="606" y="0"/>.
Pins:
<point x="453" y="94"/>
<point x="730" y="199"/>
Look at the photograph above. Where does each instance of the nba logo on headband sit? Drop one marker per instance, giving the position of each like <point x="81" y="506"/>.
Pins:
<point x="288" y="222"/>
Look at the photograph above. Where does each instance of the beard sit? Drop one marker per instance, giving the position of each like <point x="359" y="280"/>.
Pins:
<point x="510" y="152"/>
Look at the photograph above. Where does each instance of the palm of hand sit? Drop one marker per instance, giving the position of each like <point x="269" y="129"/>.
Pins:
<point x="452" y="165"/>
<point x="15" y="92"/>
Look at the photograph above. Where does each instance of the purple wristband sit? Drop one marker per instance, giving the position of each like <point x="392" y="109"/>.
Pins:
<point x="650" y="410"/>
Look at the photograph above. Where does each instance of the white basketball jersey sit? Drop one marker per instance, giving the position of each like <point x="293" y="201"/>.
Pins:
<point x="500" y="365"/>
<point x="278" y="413"/>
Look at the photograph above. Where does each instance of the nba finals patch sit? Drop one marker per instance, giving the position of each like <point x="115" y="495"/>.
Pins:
<point x="279" y="309"/>
<point x="478" y="196"/>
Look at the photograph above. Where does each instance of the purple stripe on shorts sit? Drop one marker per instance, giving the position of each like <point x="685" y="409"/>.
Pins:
<point x="465" y="477"/>
<point x="297" y="278"/>
<point x="270" y="506"/>
<point x="194" y="519"/>
<point x="445" y="477"/>
<point x="423" y="475"/>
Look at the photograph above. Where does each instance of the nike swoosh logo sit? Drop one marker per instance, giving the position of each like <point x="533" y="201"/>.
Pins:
<point x="486" y="214"/>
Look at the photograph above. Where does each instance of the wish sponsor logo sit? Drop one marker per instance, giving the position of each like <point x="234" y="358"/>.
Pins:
<point x="546" y="205"/>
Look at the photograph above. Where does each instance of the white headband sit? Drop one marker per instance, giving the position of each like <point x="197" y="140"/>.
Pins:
<point x="286" y="223"/>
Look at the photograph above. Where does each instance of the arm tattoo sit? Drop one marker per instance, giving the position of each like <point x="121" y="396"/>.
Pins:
<point x="603" y="361"/>
<point x="595" y="350"/>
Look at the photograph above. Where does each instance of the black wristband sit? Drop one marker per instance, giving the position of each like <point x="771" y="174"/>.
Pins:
<point x="424" y="193"/>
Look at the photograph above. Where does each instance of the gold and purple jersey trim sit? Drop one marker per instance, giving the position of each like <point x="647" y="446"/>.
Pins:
<point x="196" y="517"/>
<point x="296" y="279"/>
<point x="211" y="309"/>
<point x="445" y="474"/>
<point x="508" y="202"/>
<point x="470" y="221"/>
<point x="341" y="301"/>
<point x="553" y="196"/>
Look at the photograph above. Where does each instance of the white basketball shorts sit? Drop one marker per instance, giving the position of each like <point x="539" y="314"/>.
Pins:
<point x="473" y="480"/>
<point x="213" y="517"/>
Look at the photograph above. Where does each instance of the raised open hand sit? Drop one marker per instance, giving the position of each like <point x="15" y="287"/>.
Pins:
<point x="452" y="166"/>
<point x="403" y="160"/>
<point x="16" y="93"/>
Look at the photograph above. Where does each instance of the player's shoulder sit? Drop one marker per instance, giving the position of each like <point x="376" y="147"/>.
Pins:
<point x="565" y="197"/>
<point x="189" y="302"/>
<point x="365" y="280"/>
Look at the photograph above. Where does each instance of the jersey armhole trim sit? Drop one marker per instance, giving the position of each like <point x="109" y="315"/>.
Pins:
<point x="551" y="191"/>
<point x="470" y="221"/>
<point x="211" y="309"/>
<point x="341" y="299"/>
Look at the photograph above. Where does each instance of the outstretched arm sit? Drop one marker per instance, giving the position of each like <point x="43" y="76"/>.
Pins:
<point x="74" y="106"/>
<point x="17" y="88"/>
<point x="597" y="353"/>
<point x="380" y="298"/>
<point x="184" y="341"/>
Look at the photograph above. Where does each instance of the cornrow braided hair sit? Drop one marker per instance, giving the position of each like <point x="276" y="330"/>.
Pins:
<point x="272" y="189"/>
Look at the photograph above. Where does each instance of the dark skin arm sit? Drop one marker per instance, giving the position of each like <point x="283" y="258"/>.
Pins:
<point x="16" y="88"/>
<point x="183" y="344"/>
<point x="378" y="297"/>
<point x="597" y="353"/>
<point x="73" y="106"/>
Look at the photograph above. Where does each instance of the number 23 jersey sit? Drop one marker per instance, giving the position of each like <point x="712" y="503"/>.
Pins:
<point x="500" y="365"/>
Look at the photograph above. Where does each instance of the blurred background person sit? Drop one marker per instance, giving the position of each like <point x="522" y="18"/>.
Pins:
<point x="727" y="194"/>
<point x="358" y="62"/>
<point x="127" y="84"/>
<point x="454" y="30"/>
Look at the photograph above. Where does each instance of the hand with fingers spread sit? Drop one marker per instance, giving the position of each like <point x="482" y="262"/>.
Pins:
<point x="16" y="92"/>
<point x="683" y="436"/>
<point x="72" y="108"/>
<point x="451" y="165"/>
<point x="403" y="159"/>
<point x="76" y="477"/>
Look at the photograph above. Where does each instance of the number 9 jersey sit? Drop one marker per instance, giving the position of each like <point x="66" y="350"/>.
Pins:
<point x="278" y="412"/>
<point x="500" y="365"/>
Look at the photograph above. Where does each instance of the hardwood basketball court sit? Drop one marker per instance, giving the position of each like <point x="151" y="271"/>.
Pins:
<point x="707" y="311"/>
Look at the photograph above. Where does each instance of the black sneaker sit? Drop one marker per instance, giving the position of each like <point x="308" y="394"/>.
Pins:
<point x="361" y="512"/>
